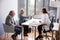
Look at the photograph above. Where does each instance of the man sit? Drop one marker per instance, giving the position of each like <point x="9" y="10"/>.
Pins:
<point x="10" y="22"/>
<point x="21" y="20"/>
<point x="21" y="17"/>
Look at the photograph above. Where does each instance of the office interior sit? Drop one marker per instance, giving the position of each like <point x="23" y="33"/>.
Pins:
<point x="31" y="8"/>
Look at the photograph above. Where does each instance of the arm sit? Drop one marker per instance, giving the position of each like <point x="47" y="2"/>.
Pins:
<point x="47" y="19"/>
<point x="8" y="21"/>
<point x="22" y="18"/>
<point x="25" y="17"/>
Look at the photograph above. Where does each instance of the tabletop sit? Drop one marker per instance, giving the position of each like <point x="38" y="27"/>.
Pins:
<point x="33" y="22"/>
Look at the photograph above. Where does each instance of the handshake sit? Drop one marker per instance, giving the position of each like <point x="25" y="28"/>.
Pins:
<point x="30" y="17"/>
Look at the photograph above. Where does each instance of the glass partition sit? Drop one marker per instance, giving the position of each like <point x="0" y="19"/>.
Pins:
<point x="31" y="4"/>
<point x="39" y="6"/>
<point x="33" y="7"/>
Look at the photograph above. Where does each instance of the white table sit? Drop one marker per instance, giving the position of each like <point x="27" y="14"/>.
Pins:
<point x="55" y="28"/>
<point x="34" y="23"/>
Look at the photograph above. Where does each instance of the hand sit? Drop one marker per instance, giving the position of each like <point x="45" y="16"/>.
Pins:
<point x="30" y="17"/>
<point x="40" y="21"/>
<point x="17" y="25"/>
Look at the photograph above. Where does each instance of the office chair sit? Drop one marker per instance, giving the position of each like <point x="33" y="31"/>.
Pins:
<point x="8" y="29"/>
<point x="50" y="29"/>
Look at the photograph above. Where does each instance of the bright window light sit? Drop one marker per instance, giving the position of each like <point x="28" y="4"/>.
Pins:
<point x="32" y="2"/>
<point x="52" y="0"/>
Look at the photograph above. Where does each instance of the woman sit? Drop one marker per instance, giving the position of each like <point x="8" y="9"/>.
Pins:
<point x="46" y="21"/>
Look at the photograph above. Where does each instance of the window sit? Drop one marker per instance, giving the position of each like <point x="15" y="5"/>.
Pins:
<point x="33" y="6"/>
<point x="53" y="0"/>
<point x="39" y="6"/>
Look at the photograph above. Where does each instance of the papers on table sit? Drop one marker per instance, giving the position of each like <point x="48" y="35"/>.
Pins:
<point x="33" y="22"/>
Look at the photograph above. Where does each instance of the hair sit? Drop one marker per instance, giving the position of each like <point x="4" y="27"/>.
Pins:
<point x="10" y="12"/>
<point x="21" y="9"/>
<point x="44" y="10"/>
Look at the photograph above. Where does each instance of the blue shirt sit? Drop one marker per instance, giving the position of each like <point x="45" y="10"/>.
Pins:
<point x="22" y="19"/>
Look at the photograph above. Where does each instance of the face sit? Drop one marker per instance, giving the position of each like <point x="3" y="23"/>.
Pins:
<point x="13" y="14"/>
<point x="22" y="12"/>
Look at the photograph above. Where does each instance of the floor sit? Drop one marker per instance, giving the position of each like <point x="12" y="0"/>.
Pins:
<point x="31" y="36"/>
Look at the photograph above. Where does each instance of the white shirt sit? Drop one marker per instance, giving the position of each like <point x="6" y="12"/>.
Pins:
<point x="45" y="19"/>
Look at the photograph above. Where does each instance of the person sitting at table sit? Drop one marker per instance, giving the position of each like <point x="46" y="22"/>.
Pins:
<point x="10" y="22"/>
<point x="21" y="17"/>
<point x="46" y="21"/>
<point x="21" y="20"/>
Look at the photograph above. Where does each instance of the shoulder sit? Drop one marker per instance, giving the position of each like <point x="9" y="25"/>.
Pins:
<point x="8" y="17"/>
<point x="46" y="14"/>
<point x="20" y="15"/>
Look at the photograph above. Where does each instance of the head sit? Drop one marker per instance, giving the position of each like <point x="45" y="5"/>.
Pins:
<point x="44" y="11"/>
<point x="22" y="11"/>
<point x="12" y="13"/>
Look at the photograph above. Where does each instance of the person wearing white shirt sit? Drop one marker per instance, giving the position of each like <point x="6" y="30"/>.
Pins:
<point x="45" y="18"/>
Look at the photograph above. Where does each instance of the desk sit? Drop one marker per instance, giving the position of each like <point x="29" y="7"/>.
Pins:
<point x="55" y="28"/>
<point x="34" y="23"/>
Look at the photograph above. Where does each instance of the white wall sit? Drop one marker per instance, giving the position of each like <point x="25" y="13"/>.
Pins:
<point x="58" y="9"/>
<point x="57" y="5"/>
<point x="5" y="7"/>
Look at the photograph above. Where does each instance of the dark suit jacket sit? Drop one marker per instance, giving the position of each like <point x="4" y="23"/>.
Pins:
<point x="10" y="21"/>
<point x="22" y="19"/>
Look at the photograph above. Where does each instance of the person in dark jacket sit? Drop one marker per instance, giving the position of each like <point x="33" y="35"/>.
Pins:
<point x="21" y="17"/>
<point x="10" y="22"/>
<point x="22" y="20"/>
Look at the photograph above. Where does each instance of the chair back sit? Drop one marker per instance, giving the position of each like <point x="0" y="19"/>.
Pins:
<point x="51" y="24"/>
<point x="8" y="29"/>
